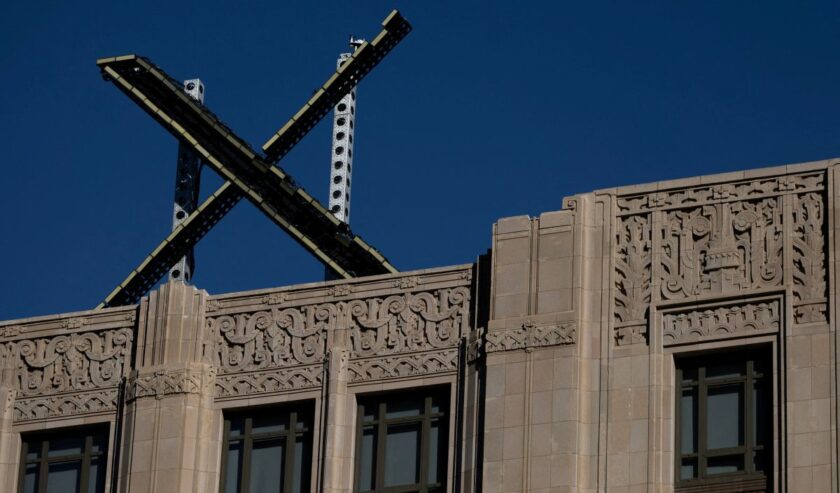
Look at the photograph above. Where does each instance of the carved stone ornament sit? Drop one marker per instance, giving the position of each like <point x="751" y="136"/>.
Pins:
<point x="809" y="276"/>
<point x="277" y="349"/>
<point x="733" y="320"/>
<point x="266" y="382"/>
<point x="408" y="322"/>
<point x="403" y="365"/>
<point x="529" y="336"/>
<point x="632" y="279"/>
<point x="55" y="375"/>
<point x="161" y="383"/>
<point x="697" y="196"/>
<point x="273" y="338"/>
<point x="722" y="248"/>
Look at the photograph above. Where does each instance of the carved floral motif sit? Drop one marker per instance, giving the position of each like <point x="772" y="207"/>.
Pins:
<point x="809" y="275"/>
<point x="632" y="279"/>
<point x="720" y="321"/>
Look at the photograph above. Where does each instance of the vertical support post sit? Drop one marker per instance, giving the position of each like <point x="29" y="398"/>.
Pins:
<point x="187" y="183"/>
<point x="341" y="168"/>
<point x="9" y="441"/>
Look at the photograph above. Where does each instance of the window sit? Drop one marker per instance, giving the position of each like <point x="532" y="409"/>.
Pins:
<point x="69" y="460"/>
<point x="724" y="421"/>
<point x="268" y="450"/>
<point x="401" y="442"/>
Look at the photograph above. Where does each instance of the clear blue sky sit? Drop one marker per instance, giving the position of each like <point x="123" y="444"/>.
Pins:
<point x="488" y="109"/>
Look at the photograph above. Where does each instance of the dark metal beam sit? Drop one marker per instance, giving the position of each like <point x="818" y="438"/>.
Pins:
<point x="249" y="174"/>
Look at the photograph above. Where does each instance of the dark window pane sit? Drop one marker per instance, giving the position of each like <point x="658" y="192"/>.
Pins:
<point x="63" y="477"/>
<point x="33" y="450"/>
<point x="233" y="467"/>
<point x="366" y="464"/>
<point x="760" y="461"/>
<point x="688" y="421"/>
<point x="100" y="444"/>
<point x="406" y="406"/>
<point x="268" y="424"/>
<point x="438" y="404"/>
<point x="725" y="416"/>
<point x="724" y="464"/>
<point x="267" y="466"/>
<point x="96" y="475"/>
<point x="30" y="478"/>
<point x="301" y="474"/>
<point x="725" y="370"/>
<point x="762" y="405"/>
<point x="237" y="426"/>
<point x="66" y="445"/>
<point x="402" y="447"/>
<point x="689" y="375"/>
<point x="688" y="469"/>
<point x="434" y="453"/>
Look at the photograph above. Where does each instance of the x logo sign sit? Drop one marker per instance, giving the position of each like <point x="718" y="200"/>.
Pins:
<point x="250" y="174"/>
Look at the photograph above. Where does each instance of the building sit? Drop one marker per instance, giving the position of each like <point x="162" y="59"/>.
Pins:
<point x="675" y="336"/>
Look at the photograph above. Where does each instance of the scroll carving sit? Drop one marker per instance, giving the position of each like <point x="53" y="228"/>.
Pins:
<point x="633" y="279"/>
<point x="68" y="374"/>
<point x="809" y="275"/>
<point x="407" y="323"/>
<point x="272" y="338"/>
<point x="73" y="362"/>
<point x="722" y="321"/>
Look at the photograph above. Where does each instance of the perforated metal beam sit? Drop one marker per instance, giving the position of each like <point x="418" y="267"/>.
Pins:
<point x="249" y="174"/>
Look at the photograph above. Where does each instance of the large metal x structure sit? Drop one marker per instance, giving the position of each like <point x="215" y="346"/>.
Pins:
<point x="248" y="173"/>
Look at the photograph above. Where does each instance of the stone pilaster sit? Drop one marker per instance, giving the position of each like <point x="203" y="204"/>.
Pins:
<point x="338" y="425"/>
<point x="172" y="431"/>
<point x="9" y="441"/>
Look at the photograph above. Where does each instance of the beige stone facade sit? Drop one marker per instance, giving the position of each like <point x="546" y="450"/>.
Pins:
<point x="564" y="354"/>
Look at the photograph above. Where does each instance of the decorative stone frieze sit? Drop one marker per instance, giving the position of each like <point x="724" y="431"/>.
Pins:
<point x="719" y="240"/>
<point x="394" y="327"/>
<point x="711" y="193"/>
<point x="271" y="338"/>
<point x="65" y="405"/>
<point x="67" y="367"/>
<point x="695" y="324"/>
<point x="163" y="382"/>
<point x="403" y="365"/>
<point x="267" y="382"/>
<point x="407" y="323"/>
<point x="530" y="335"/>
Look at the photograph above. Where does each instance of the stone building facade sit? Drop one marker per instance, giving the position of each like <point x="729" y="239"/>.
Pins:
<point x="676" y="336"/>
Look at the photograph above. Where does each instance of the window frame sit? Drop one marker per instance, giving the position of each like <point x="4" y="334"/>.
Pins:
<point x="85" y="457"/>
<point x="747" y="359"/>
<point x="381" y="424"/>
<point x="297" y="413"/>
